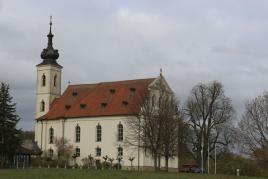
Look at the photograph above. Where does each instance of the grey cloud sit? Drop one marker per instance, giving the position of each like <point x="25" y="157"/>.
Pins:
<point x="193" y="41"/>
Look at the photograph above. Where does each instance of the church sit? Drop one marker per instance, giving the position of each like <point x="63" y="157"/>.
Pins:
<point x="92" y="117"/>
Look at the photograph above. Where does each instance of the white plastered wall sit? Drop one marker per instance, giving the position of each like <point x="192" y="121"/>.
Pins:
<point x="88" y="141"/>
<point x="48" y="92"/>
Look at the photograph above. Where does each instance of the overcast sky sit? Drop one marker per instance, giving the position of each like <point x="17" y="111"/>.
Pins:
<point x="106" y="40"/>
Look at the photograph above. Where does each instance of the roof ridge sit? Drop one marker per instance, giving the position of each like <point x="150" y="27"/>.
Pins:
<point x="111" y="82"/>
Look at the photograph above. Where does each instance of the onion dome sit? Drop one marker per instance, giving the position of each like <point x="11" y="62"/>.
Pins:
<point x="49" y="54"/>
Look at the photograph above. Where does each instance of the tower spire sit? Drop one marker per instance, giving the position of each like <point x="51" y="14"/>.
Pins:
<point x="50" y="24"/>
<point x="49" y="54"/>
<point x="50" y="35"/>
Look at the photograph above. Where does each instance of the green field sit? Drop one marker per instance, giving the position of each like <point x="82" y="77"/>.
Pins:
<point x="81" y="174"/>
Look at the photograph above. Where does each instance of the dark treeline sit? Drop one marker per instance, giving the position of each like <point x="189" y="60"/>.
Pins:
<point x="9" y="134"/>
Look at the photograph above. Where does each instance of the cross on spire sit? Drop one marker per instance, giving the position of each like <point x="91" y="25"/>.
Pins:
<point x="50" y="24"/>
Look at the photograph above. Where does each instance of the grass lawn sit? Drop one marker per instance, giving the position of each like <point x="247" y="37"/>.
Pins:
<point x="81" y="174"/>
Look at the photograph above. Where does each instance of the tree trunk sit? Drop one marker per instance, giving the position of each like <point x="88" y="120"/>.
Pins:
<point x="159" y="162"/>
<point x="166" y="161"/>
<point x="155" y="162"/>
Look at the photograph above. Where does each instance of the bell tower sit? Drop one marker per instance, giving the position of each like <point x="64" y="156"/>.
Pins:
<point x="48" y="85"/>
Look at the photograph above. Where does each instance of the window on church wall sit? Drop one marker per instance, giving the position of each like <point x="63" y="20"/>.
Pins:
<point x="77" y="152"/>
<point x="120" y="132"/>
<point x="98" y="151"/>
<point x="77" y="133"/>
<point x="50" y="153"/>
<point x="1" y="137"/>
<point x="55" y="81"/>
<point x="51" y="135"/>
<point x="153" y="100"/>
<point x="98" y="133"/>
<point x="43" y="80"/>
<point x="42" y="106"/>
<point x="120" y="151"/>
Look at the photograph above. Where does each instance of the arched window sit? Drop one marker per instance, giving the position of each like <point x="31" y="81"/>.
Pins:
<point x="43" y="80"/>
<point x="153" y="100"/>
<point x="55" y="81"/>
<point x="98" y="151"/>
<point x="98" y="133"/>
<point x="42" y="106"/>
<point x="51" y="135"/>
<point x="77" y="152"/>
<point x="77" y="133"/>
<point x="120" y="151"/>
<point x="50" y="153"/>
<point x="120" y="132"/>
<point x="1" y="137"/>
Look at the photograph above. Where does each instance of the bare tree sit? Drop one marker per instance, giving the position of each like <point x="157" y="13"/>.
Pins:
<point x="156" y="128"/>
<point x="169" y="118"/>
<point x="209" y="112"/>
<point x="182" y="136"/>
<point x="254" y="127"/>
<point x="64" y="150"/>
<point x="144" y="131"/>
<point x="88" y="161"/>
<point x="131" y="161"/>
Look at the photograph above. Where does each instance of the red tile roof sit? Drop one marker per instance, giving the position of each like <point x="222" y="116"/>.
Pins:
<point x="100" y="99"/>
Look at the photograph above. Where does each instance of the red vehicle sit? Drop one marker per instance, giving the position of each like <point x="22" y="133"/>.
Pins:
<point x="188" y="168"/>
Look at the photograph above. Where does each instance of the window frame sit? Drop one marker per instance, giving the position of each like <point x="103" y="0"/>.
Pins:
<point x="50" y="153"/>
<point x="98" y="152"/>
<point x="77" y="152"/>
<point x="51" y="135"/>
<point x="120" y="151"/>
<point x="1" y="137"/>
<point x="55" y="80"/>
<point x="120" y="132"/>
<point x="43" y="84"/>
<point x="42" y="106"/>
<point x="77" y="134"/>
<point x="98" y="133"/>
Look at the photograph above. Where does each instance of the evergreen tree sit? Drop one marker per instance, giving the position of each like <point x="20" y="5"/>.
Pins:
<point x="9" y="135"/>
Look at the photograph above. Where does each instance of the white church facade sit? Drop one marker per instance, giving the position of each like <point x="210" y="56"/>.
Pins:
<point x="92" y="117"/>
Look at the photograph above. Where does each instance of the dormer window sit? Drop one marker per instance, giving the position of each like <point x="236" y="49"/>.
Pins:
<point x="132" y="89"/>
<point x="67" y="107"/>
<point x="74" y="93"/>
<point x="83" y="106"/>
<point x="103" y="104"/>
<point x="125" y="103"/>
<point x="112" y="91"/>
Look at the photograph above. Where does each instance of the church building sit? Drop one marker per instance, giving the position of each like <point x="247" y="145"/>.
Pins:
<point x="92" y="117"/>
